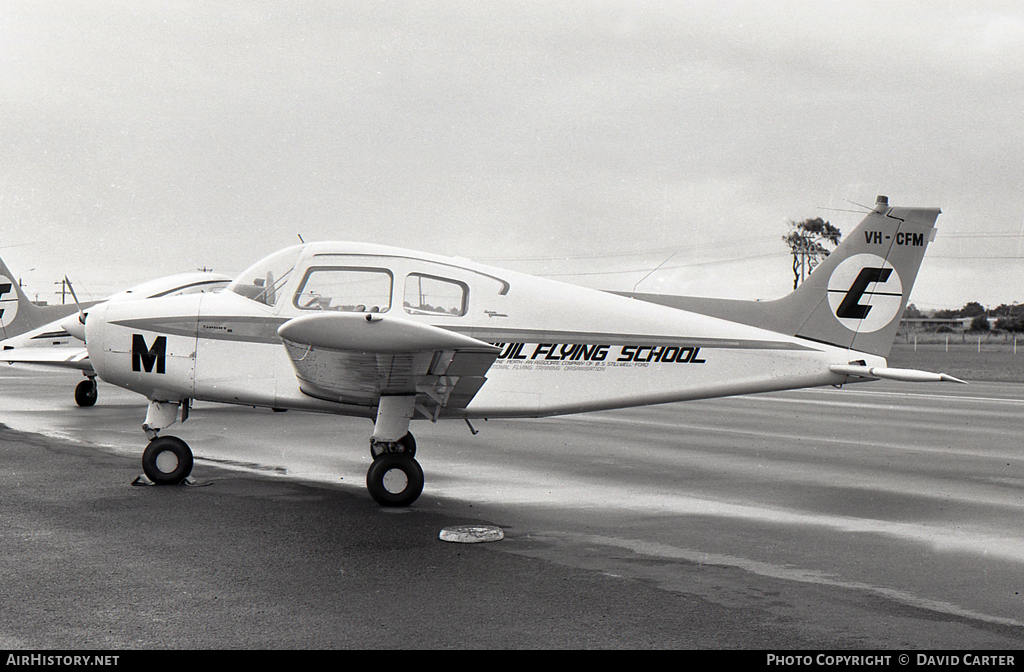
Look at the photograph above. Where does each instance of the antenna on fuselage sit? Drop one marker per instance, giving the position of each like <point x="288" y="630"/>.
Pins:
<point x="652" y="272"/>
<point x="300" y="238"/>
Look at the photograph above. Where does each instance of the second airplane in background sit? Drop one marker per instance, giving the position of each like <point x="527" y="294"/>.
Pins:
<point x="54" y="335"/>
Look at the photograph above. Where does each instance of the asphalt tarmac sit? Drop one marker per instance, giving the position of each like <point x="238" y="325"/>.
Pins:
<point x="873" y="517"/>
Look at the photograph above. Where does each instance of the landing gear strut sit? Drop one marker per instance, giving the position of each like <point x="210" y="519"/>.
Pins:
<point x="395" y="477"/>
<point x="405" y="445"/>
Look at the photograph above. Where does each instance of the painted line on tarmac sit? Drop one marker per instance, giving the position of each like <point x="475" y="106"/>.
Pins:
<point x="920" y="395"/>
<point x="760" y="433"/>
<point x="789" y="573"/>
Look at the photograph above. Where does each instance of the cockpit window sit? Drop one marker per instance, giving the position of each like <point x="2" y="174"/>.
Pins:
<point x="347" y="289"/>
<point x="431" y="295"/>
<point x="263" y="281"/>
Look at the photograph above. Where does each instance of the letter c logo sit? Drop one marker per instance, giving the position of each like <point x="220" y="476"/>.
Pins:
<point x="8" y="301"/>
<point x="865" y="293"/>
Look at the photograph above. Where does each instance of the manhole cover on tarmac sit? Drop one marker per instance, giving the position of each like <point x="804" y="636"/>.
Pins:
<point x="471" y="534"/>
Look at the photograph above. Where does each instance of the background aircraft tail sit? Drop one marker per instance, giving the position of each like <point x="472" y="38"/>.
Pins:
<point x="17" y="313"/>
<point x="855" y="298"/>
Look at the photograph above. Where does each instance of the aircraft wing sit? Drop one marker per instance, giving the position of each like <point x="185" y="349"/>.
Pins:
<point x="64" y="358"/>
<point x="358" y="357"/>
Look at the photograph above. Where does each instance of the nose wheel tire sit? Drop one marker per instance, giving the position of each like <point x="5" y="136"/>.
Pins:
<point x="85" y="393"/>
<point x="394" y="479"/>
<point x="167" y="460"/>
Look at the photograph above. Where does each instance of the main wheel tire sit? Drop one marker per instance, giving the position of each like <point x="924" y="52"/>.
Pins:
<point x="394" y="479"/>
<point x="167" y="460"/>
<point x="86" y="393"/>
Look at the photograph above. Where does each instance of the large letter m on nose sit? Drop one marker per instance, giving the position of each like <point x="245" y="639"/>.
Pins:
<point x="144" y="357"/>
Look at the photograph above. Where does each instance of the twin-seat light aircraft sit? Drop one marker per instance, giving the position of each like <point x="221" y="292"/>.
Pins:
<point x="395" y="335"/>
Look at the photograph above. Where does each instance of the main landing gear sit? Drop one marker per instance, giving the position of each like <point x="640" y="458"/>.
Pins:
<point x="395" y="477"/>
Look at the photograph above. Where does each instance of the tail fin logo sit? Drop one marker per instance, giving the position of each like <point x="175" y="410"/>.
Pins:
<point x="865" y="293"/>
<point x="8" y="301"/>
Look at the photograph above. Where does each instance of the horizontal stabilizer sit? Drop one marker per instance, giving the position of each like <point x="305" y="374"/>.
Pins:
<point x="887" y="373"/>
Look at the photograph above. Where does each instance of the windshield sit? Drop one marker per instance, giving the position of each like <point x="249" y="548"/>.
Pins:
<point x="263" y="280"/>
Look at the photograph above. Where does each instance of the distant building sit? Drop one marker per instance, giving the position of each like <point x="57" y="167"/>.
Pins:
<point x="935" y="323"/>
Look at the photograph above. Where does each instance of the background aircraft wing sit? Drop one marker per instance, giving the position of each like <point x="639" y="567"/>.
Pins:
<point x="64" y="358"/>
<point x="358" y="357"/>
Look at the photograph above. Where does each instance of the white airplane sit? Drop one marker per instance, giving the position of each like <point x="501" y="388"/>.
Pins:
<point x="395" y="335"/>
<point x="58" y="341"/>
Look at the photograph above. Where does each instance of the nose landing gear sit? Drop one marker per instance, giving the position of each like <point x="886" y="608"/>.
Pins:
<point x="86" y="392"/>
<point x="167" y="460"/>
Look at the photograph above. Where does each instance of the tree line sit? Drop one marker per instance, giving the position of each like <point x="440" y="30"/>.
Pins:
<point x="1008" y="317"/>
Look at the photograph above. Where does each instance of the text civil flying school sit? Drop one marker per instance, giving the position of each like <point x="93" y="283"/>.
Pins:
<point x="583" y="352"/>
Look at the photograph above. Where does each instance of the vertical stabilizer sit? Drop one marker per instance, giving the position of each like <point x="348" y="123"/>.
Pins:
<point x="17" y="313"/>
<point x="856" y="297"/>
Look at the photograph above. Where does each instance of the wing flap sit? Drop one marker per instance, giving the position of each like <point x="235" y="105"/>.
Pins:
<point x="357" y="357"/>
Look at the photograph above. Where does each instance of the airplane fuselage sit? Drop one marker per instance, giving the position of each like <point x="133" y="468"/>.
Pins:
<point x="607" y="351"/>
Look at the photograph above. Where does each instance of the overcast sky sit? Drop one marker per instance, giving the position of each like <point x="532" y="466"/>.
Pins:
<point x="587" y="141"/>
